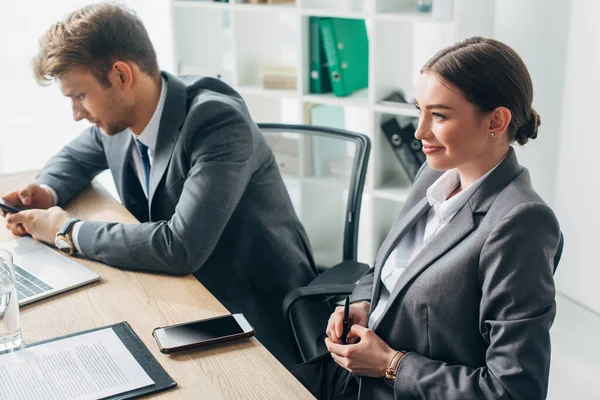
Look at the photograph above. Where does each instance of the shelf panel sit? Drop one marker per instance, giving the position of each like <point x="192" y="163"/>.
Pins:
<point x="201" y="4"/>
<point x="406" y="110"/>
<point x="324" y="12"/>
<point x="260" y="91"/>
<point x="392" y="192"/>
<point x="356" y="99"/>
<point x="266" y="7"/>
<point x="407" y="16"/>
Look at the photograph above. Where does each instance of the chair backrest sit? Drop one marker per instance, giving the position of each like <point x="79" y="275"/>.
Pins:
<point x="324" y="171"/>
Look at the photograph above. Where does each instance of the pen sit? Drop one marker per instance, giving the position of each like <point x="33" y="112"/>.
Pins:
<point x="346" y="325"/>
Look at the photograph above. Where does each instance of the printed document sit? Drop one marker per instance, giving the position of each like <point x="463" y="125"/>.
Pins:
<point x="88" y="366"/>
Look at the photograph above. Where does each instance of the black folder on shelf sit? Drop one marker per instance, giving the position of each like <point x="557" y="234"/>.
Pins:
<point x="139" y="351"/>
<point x="406" y="147"/>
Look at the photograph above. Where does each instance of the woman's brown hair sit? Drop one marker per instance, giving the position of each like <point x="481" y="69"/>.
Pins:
<point x="490" y="74"/>
<point x="94" y="38"/>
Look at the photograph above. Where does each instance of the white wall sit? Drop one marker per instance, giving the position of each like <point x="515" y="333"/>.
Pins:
<point x="560" y="43"/>
<point x="35" y="122"/>
<point x="537" y="30"/>
<point x="578" y="185"/>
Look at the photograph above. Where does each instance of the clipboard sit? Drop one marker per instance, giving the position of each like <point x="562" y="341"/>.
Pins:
<point x="139" y="351"/>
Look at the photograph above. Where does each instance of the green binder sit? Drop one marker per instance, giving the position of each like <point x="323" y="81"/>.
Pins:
<point x="346" y="49"/>
<point x="319" y="76"/>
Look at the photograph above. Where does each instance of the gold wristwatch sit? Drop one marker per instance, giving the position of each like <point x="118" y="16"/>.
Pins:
<point x="64" y="237"/>
<point x="390" y="373"/>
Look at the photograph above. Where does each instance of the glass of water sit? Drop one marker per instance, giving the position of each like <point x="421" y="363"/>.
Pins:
<point x="10" y="321"/>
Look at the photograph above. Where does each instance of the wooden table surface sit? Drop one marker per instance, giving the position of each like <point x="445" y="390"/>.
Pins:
<point x="237" y="370"/>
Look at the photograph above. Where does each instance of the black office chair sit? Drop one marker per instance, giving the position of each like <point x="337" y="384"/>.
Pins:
<point x="324" y="170"/>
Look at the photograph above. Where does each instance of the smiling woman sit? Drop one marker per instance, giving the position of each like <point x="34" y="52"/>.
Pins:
<point x="460" y="301"/>
<point x="456" y="133"/>
<point x="500" y="63"/>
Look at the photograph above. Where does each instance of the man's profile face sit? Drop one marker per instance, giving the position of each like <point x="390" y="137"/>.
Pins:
<point x="105" y="107"/>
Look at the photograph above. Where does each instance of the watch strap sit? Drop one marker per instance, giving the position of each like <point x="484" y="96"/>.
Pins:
<point x="67" y="226"/>
<point x="65" y="236"/>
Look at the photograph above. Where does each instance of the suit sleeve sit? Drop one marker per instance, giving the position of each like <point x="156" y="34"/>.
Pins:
<point x="74" y="167"/>
<point x="517" y="309"/>
<point x="219" y="144"/>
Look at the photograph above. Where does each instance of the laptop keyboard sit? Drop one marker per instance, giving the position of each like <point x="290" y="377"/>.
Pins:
<point x="28" y="285"/>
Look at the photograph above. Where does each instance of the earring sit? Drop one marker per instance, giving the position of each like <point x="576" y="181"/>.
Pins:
<point x="492" y="134"/>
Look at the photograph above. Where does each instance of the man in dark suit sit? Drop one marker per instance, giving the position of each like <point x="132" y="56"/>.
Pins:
<point x="188" y="162"/>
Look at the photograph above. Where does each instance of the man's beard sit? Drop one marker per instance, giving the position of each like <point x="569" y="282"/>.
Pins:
<point x="114" y="128"/>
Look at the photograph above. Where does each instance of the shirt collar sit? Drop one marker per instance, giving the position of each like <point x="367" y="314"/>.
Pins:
<point x="439" y="191"/>
<point x="150" y="133"/>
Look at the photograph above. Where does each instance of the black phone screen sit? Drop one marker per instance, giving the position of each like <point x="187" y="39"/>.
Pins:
<point x="10" y="207"/>
<point x="201" y="331"/>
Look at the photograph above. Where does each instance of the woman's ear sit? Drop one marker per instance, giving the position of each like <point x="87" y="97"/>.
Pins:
<point x="499" y="121"/>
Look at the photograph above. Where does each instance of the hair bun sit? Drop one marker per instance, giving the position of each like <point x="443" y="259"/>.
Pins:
<point x="529" y="130"/>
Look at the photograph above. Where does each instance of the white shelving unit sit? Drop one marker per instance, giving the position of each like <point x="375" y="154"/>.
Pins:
<point x="232" y="40"/>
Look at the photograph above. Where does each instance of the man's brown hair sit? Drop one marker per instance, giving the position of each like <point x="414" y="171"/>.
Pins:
<point x="94" y="38"/>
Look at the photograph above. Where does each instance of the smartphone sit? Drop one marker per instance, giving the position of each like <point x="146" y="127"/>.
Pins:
<point x="10" y="207"/>
<point x="202" y="333"/>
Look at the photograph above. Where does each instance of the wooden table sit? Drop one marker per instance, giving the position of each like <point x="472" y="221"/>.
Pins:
<point x="238" y="370"/>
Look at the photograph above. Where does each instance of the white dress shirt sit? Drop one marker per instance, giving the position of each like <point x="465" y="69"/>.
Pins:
<point x="148" y="137"/>
<point x="424" y="230"/>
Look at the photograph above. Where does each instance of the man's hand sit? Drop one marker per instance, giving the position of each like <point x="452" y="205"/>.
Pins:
<point x="42" y="225"/>
<point x="371" y="356"/>
<point x="359" y="315"/>
<point x="31" y="196"/>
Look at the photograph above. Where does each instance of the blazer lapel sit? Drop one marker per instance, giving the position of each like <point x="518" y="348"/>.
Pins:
<point x="397" y="232"/>
<point x="417" y="205"/>
<point x="171" y="121"/>
<point x="121" y="156"/>
<point x="461" y="225"/>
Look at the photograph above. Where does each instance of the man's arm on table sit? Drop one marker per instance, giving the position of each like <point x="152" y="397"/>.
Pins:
<point x="220" y="153"/>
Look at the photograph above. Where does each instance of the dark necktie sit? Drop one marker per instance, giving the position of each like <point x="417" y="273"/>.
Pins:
<point x="146" y="162"/>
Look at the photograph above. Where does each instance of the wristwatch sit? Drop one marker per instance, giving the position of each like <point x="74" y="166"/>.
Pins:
<point x="64" y="237"/>
<point x="390" y="373"/>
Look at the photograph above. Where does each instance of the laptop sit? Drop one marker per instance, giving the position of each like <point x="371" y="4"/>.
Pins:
<point x="42" y="272"/>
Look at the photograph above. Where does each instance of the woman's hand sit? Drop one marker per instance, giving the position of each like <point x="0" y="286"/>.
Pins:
<point x="370" y="357"/>
<point x="359" y="315"/>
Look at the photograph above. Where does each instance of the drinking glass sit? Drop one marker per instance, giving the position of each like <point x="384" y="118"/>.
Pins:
<point x="10" y="321"/>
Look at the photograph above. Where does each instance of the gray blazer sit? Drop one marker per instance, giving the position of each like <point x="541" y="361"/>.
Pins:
<point x="475" y="306"/>
<point x="218" y="207"/>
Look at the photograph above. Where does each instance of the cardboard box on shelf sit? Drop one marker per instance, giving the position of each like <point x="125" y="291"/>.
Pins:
<point x="278" y="77"/>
